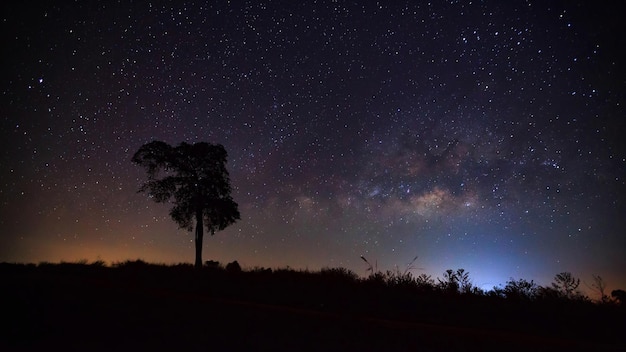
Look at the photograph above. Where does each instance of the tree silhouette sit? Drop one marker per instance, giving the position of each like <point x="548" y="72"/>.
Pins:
<point x="521" y="289"/>
<point x="195" y="177"/>
<point x="566" y="284"/>
<point x="450" y="282"/>
<point x="463" y="279"/>
<point x="619" y="296"/>
<point x="599" y="285"/>
<point x="455" y="281"/>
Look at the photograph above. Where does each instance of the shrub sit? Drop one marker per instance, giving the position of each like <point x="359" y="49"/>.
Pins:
<point x="233" y="267"/>
<point x="339" y="274"/>
<point x="520" y="289"/>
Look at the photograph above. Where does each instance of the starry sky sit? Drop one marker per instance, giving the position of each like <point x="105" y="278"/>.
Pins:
<point x="480" y="135"/>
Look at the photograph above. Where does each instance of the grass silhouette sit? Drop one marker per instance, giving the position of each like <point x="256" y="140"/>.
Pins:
<point x="137" y="305"/>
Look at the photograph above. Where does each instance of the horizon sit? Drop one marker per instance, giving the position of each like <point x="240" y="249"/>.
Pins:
<point x="413" y="268"/>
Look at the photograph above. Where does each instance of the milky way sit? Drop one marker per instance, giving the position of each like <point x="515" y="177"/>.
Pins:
<point x="478" y="135"/>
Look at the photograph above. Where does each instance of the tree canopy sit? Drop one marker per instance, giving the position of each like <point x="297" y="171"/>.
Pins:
<point x="195" y="179"/>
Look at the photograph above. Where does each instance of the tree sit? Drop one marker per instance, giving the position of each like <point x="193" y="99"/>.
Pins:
<point x="450" y="282"/>
<point x="465" y="284"/>
<point x="520" y="289"/>
<point x="194" y="176"/>
<point x="455" y="281"/>
<point x="599" y="285"/>
<point x="425" y="281"/>
<point x="619" y="296"/>
<point x="566" y="284"/>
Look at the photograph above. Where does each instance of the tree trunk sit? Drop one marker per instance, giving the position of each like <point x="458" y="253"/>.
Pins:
<point x="199" y="235"/>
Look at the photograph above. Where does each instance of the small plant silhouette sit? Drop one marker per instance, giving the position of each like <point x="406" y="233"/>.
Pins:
<point x="233" y="267"/>
<point x="599" y="286"/>
<point x="372" y="269"/>
<point x="520" y="289"/>
<point x="566" y="284"/>
<point x="619" y="296"/>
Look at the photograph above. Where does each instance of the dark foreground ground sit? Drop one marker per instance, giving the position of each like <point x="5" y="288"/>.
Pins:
<point x="78" y="308"/>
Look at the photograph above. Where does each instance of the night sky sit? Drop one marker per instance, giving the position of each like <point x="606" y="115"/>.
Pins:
<point x="488" y="136"/>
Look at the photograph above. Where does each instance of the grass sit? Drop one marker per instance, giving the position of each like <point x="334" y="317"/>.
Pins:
<point x="143" y="305"/>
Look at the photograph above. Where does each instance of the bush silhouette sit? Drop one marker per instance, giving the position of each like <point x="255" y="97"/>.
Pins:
<point x="566" y="284"/>
<point x="619" y="296"/>
<point x="148" y="295"/>
<point x="520" y="289"/>
<point x="233" y="267"/>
